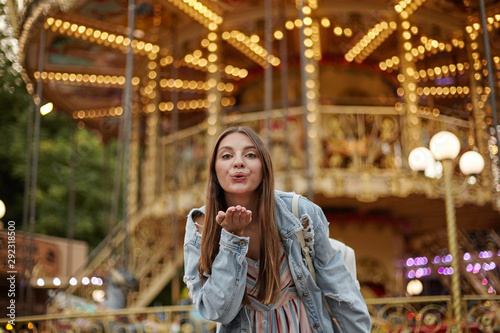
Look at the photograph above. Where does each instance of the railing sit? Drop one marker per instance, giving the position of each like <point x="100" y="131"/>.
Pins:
<point x="137" y="320"/>
<point x="415" y="314"/>
<point x="433" y="314"/>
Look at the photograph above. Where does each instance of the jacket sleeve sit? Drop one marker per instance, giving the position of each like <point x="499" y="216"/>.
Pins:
<point x="218" y="296"/>
<point x="335" y="280"/>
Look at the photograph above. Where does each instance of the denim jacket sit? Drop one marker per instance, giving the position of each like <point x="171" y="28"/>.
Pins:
<point x="218" y="296"/>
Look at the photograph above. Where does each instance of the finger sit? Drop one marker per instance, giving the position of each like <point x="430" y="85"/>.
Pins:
<point x="236" y="218"/>
<point x="249" y="215"/>
<point x="223" y="222"/>
<point x="244" y="216"/>
<point x="220" y="217"/>
<point x="238" y="213"/>
<point x="230" y="213"/>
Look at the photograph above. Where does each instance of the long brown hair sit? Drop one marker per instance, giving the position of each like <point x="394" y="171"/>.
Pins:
<point x="268" y="282"/>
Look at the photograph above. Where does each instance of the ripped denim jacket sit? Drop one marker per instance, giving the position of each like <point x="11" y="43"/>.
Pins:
<point x="218" y="296"/>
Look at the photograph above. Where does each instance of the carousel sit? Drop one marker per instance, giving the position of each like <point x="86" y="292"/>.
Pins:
<point x="347" y="94"/>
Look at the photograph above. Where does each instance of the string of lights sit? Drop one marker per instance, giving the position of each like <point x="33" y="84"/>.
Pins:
<point x="250" y="47"/>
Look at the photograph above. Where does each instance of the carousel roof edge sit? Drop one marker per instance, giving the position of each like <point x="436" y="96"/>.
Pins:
<point x="32" y="13"/>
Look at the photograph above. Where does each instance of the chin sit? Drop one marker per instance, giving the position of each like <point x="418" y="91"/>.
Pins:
<point x="240" y="191"/>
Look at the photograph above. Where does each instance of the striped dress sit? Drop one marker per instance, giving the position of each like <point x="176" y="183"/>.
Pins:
<point x="287" y="315"/>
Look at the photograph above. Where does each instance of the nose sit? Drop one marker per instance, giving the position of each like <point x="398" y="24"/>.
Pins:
<point x="238" y="163"/>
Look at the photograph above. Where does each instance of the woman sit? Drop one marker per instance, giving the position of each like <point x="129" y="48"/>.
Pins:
<point x="243" y="263"/>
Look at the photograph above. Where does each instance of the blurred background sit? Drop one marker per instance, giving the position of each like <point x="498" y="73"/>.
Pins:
<point x="384" y="113"/>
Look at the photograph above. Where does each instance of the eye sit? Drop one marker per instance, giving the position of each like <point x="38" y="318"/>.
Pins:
<point x="251" y="155"/>
<point x="225" y="156"/>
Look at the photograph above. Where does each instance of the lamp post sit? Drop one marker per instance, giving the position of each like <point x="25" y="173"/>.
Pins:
<point x="445" y="147"/>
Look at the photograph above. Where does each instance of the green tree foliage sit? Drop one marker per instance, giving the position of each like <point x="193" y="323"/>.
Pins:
<point x="93" y="196"/>
<point x="14" y="102"/>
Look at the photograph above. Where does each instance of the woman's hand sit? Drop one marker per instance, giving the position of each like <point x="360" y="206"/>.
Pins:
<point x="235" y="219"/>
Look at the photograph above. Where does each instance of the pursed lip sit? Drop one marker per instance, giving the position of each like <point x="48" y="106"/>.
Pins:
<point x="239" y="176"/>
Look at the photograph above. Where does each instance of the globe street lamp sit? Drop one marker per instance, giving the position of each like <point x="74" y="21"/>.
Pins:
<point x="445" y="147"/>
<point x="2" y="209"/>
<point x="2" y="213"/>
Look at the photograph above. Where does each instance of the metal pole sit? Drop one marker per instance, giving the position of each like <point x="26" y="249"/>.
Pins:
<point x="490" y="73"/>
<point x="452" y="244"/>
<point x="284" y="97"/>
<point x="71" y="200"/>
<point x="26" y="200"/>
<point x="117" y="177"/>
<point x="268" y="70"/>
<point x="34" y="170"/>
<point x="175" y="128"/>
<point x="303" y="75"/>
<point x="127" y="126"/>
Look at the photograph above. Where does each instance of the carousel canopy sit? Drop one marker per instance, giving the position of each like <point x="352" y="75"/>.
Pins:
<point x="363" y="50"/>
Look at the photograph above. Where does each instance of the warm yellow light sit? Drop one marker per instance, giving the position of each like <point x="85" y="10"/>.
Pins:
<point x="212" y="47"/>
<point x="212" y="68"/>
<point x="309" y="53"/>
<point x="212" y="36"/>
<point x="2" y="209"/>
<point x="212" y="57"/>
<point x="203" y="62"/>
<point x="46" y="108"/>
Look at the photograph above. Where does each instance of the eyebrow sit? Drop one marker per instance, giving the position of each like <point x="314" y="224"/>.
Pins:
<point x="231" y="148"/>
